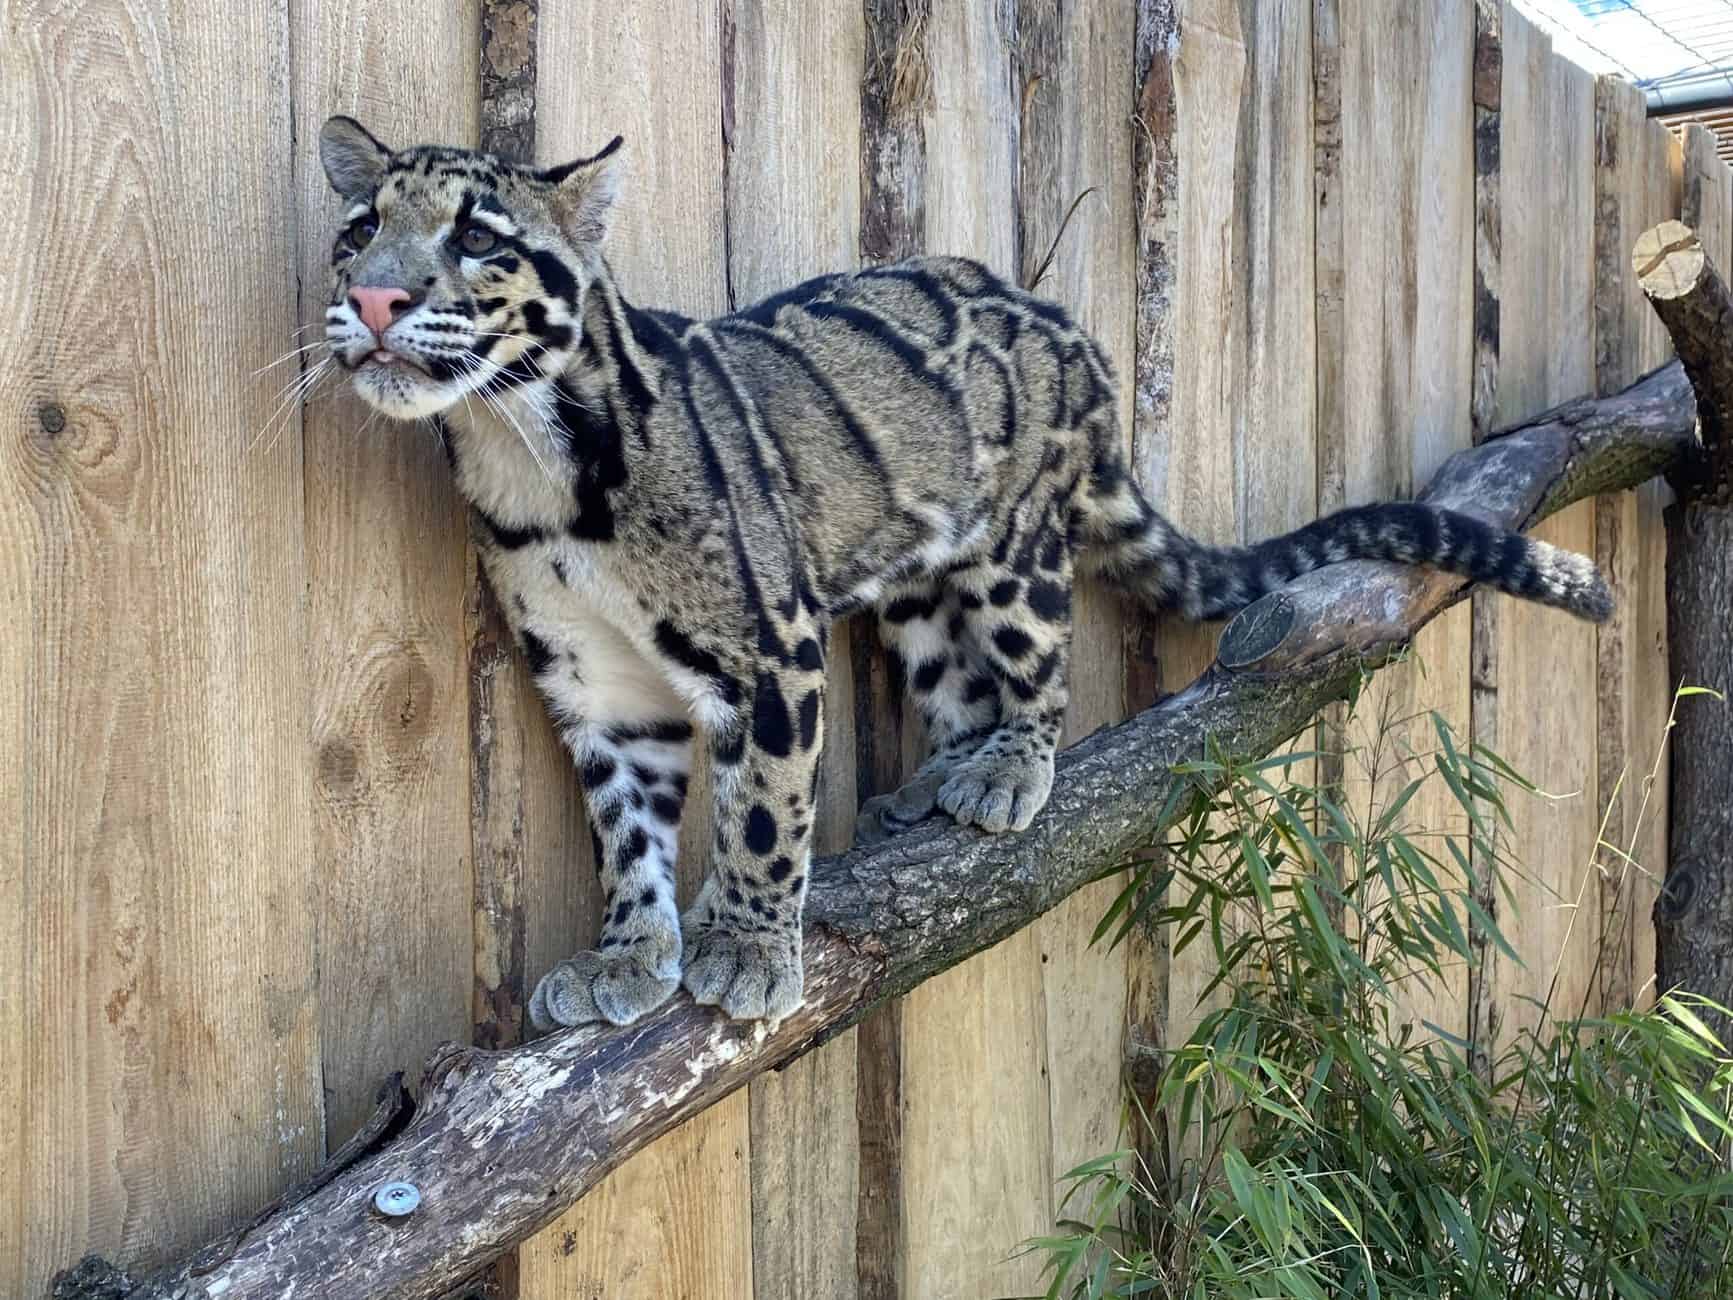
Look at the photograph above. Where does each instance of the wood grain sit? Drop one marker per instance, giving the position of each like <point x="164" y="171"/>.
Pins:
<point x="1634" y="188"/>
<point x="653" y="75"/>
<point x="1240" y="460"/>
<point x="388" y="570"/>
<point x="792" y="133"/>
<point x="1075" y="136"/>
<point x="1707" y="201"/>
<point x="1546" y="356"/>
<point x="975" y="1155"/>
<point x="1407" y="164"/>
<point x="158" y="991"/>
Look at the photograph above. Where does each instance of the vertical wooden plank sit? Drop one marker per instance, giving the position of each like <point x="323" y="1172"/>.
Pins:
<point x="159" y="981"/>
<point x="894" y="89"/>
<point x="1707" y="205"/>
<point x="976" y="1167"/>
<point x="1635" y="187"/>
<point x="1155" y="180"/>
<point x="388" y="573"/>
<point x="1407" y="364"/>
<point x="791" y="123"/>
<point x="675" y="1220"/>
<point x="1075" y="135"/>
<point x="1545" y="357"/>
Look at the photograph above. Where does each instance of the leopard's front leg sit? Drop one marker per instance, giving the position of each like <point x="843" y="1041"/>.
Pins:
<point x="743" y="930"/>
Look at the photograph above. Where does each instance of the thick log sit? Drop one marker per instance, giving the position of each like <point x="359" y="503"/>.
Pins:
<point x="1693" y="302"/>
<point x="1694" y="912"/>
<point x="502" y="1142"/>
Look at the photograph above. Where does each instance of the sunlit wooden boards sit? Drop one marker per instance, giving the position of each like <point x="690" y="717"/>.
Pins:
<point x="1406" y="179"/>
<point x="1076" y="136"/>
<point x="1637" y="184"/>
<point x="1235" y="461"/>
<point x="1535" y="682"/>
<point x="976" y="1173"/>
<point x="387" y="575"/>
<point x="675" y="1220"/>
<point x="158" y="994"/>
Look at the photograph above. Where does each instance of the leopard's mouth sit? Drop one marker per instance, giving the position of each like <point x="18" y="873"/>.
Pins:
<point x="387" y="358"/>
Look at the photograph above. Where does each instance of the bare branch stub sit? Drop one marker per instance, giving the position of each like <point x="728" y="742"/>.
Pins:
<point x="1690" y="296"/>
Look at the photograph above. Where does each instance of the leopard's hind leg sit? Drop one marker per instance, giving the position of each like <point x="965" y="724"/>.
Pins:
<point x="1016" y="608"/>
<point x="923" y="624"/>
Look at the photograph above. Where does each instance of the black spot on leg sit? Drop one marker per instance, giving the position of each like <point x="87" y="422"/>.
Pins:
<point x="728" y="747"/>
<point x="666" y="807"/>
<point x="1003" y="593"/>
<point x="809" y="719"/>
<point x="779" y="870"/>
<point x="760" y="830"/>
<point x="536" y="652"/>
<point x="980" y="687"/>
<point x="904" y="608"/>
<point x="1050" y="601"/>
<point x="928" y="675"/>
<point x="676" y="645"/>
<point x="648" y="897"/>
<point x="772" y="730"/>
<point x="623" y="911"/>
<point x="633" y="848"/>
<point x="1013" y="642"/>
<point x="809" y="656"/>
<point x="598" y="770"/>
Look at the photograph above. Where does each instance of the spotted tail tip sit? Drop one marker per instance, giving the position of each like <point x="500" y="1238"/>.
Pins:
<point x="1572" y="582"/>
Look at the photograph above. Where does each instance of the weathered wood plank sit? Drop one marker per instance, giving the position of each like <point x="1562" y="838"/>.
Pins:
<point x="679" y="1215"/>
<point x="791" y="125"/>
<point x="895" y="87"/>
<point x="1407" y="384"/>
<point x="1076" y="135"/>
<point x="1546" y="356"/>
<point x="1155" y="182"/>
<point x="386" y="544"/>
<point x="1634" y="188"/>
<point x="158" y="991"/>
<point x="1707" y="201"/>
<point x="975" y="1152"/>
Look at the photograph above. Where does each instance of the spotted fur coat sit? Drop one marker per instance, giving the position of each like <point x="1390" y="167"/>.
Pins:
<point x="675" y="512"/>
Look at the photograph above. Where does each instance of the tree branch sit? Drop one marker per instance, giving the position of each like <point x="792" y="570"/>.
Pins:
<point x="1693" y="302"/>
<point x="503" y="1142"/>
<point x="1694" y="912"/>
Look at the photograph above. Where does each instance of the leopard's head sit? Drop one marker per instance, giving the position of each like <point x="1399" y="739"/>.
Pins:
<point x="457" y="272"/>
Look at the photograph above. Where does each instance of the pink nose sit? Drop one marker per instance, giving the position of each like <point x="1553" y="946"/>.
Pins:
<point x="377" y="307"/>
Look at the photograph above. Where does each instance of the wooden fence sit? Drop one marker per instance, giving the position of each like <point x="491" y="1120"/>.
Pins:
<point x="285" y="809"/>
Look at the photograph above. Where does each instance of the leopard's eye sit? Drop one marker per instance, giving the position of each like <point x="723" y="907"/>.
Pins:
<point x="477" y="240"/>
<point x="362" y="229"/>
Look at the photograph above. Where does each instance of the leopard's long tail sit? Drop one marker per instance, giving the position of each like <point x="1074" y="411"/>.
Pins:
<point x="1146" y="555"/>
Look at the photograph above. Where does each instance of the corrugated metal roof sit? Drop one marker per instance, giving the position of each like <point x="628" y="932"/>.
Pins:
<point x="1679" y="51"/>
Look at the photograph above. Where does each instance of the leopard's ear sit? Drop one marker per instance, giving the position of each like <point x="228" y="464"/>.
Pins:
<point x="585" y="192"/>
<point x="354" y="161"/>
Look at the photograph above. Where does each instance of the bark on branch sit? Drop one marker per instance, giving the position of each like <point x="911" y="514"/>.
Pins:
<point x="1694" y="912"/>
<point x="502" y="1142"/>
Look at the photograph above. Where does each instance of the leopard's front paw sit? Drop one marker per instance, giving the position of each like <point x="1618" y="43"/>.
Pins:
<point x="750" y="976"/>
<point x="600" y="986"/>
<point x="999" y="791"/>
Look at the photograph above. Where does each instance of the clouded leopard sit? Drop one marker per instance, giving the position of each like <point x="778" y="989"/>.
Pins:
<point x="673" y="512"/>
